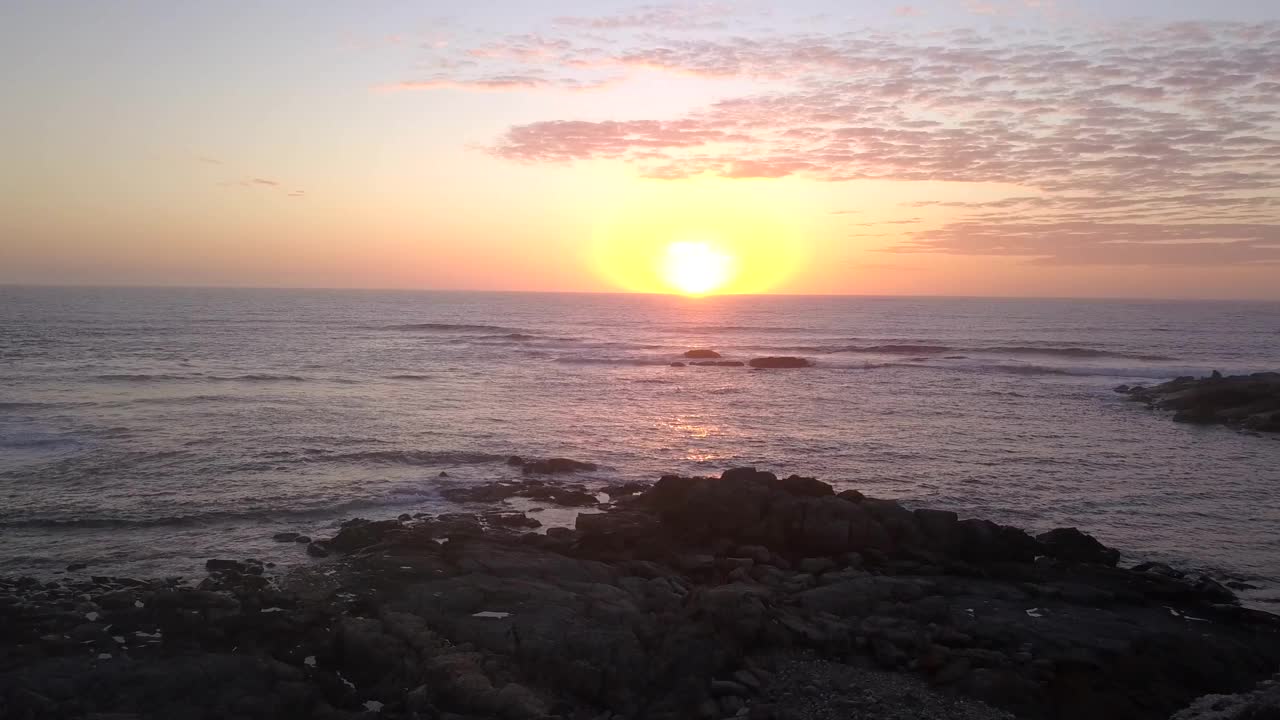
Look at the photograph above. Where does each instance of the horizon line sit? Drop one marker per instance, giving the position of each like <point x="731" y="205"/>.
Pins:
<point x="144" y="286"/>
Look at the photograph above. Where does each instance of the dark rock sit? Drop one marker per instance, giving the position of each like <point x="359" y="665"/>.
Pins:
<point x="552" y="466"/>
<point x="318" y="549"/>
<point x="702" y="354"/>
<point x="1244" y="401"/>
<point x="511" y="520"/>
<point x="302" y="539"/>
<point x="77" y="566"/>
<point x="1159" y="569"/>
<point x="216" y="565"/>
<point x="285" y="537"/>
<point x="360" y="533"/>
<point x="1071" y="545"/>
<point x="677" y="364"/>
<point x="780" y="362"/>
<point x="567" y="495"/>
<point x="806" y="486"/>
<point x="1214" y="590"/>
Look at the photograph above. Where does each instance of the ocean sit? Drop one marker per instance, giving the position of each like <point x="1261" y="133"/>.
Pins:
<point x="144" y="430"/>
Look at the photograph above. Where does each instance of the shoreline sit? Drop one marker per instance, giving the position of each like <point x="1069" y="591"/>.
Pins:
<point x="690" y="598"/>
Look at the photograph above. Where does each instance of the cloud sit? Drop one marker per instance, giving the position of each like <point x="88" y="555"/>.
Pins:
<point x="1156" y="145"/>
<point x="263" y="181"/>
<point x="686" y="16"/>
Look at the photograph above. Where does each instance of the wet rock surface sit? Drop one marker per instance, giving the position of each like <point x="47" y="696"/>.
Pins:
<point x="1249" y="402"/>
<point x="740" y="596"/>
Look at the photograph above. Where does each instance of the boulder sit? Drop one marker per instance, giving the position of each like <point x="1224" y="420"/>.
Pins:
<point x="1072" y="545"/>
<point x="359" y="533"/>
<point x="552" y="466"/>
<point x="806" y="486"/>
<point x="702" y="354"/>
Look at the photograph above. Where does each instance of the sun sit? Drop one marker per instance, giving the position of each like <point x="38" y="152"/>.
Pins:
<point x="696" y="268"/>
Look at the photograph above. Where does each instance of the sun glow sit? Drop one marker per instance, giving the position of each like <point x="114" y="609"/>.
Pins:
<point x="700" y="237"/>
<point x="696" y="268"/>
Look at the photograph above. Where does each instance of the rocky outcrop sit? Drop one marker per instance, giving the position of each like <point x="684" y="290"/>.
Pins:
<point x="745" y="595"/>
<point x="702" y="354"/>
<point x="780" y="362"/>
<point x="1261" y="703"/>
<point x="553" y="466"/>
<point x="568" y="495"/>
<point x="1250" y="402"/>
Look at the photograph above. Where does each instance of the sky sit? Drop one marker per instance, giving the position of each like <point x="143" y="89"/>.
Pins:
<point x="935" y="147"/>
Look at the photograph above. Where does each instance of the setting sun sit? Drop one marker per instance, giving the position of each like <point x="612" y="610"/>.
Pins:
<point x="696" y="268"/>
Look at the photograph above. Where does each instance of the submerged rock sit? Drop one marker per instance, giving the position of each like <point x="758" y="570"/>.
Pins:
<point x="702" y="354"/>
<point x="543" y="491"/>
<point x="552" y="466"/>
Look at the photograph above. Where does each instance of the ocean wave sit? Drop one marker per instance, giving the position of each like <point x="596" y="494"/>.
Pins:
<point x="449" y="327"/>
<point x="408" y="376"/>
<point x="1144" y="372"/>
<point x="1069" y="351"/>
<point x="33" y="440"/>
<point x="196" y="377"/>
<point x="409" y="457"/>
<point x="713" y="329"/>
<point x="27" y="405"/>
<point x="635" y="362"/>
<point x="273" y="515"/>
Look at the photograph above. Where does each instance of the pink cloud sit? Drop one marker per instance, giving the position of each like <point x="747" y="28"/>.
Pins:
<point x="1114" y="135"/>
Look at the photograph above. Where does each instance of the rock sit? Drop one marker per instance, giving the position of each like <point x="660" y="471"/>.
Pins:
<point x="303" y="539"/>
<point x="552" y="466"/>
<point x="677" y="364"/>
<point x="817" y="566"/>
<point x="721" y="688"/>
<point x="1158" y="568"/>
<point x="359" y="533"/>
<point x="780" y="362"/>
<point x="511" y="520"/>
<point x="285" y="537"/>
<point x="77" y="566"/>
<point x="1244" y="401"/>
<point x="806" y="487"/>
<point x="1071" y="545"/>
<point x="217" y="565"/>
<point x="1213" y="590"/>
<point x="318" y="549"/>
<point x="702" y="354"/>
<point x="1261" y="703"/>
<point x="518" y="702"/>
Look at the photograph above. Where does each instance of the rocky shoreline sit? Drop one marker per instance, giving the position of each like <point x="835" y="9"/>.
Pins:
<point x="1247" y="402"/>
<point x="740" y="596"/>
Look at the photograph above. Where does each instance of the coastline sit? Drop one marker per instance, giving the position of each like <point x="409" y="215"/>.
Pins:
<point x="690" y="598"/>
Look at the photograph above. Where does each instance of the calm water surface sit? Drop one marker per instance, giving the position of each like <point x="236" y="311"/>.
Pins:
<point x="144" y="430"/>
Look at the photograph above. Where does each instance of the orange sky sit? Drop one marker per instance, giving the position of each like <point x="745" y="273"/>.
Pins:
<point x="822" y="149"/>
